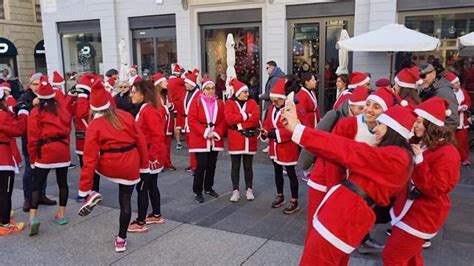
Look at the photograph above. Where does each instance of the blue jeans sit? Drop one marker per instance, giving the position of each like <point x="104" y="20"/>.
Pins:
<point x="28" y="174"/>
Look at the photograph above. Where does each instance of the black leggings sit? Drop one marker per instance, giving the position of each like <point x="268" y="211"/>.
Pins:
<point x="40" y="176"/>
<point x="148" y="186"/>
<point x="291" y="175"/>
<point x="248" y="171"/>
<point x="96" y="184"/>
<point x="125" y="201"/>
<point x="205" y="171"/>
<point x="6" y="190"/>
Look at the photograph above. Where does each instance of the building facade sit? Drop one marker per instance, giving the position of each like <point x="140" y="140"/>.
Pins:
<point x="21" y="38"/>
<point x="83" y="35"/>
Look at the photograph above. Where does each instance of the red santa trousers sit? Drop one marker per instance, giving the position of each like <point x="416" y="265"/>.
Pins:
<point x="168" y="141"/>
<point x="314" y="199"/>
<point x="462" y="137"/>
<point x="403" y="249"/>
<point x="318" y="251"/>
<point x="192" y="156"/>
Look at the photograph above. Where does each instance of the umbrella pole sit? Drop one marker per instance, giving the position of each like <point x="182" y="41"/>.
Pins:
<point x="391" y="65"/>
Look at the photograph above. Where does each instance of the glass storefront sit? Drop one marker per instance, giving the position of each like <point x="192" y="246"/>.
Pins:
<point x="154" y="49"/>
<point x="82" y="52"/>
<point x="313" y="49"/>
<point x="247" y="52"/>
<point x="8" y="53"/>
<point x="40" y="57"/>
<point x="447" y="26"/>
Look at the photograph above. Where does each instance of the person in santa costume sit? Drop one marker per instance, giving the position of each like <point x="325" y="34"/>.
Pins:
<point x="242" y="117"/>
<point x="357" y="79"/>
<point x="133" y="75"/>
<point x="192" y="94"/>
<point x="10" y="128"/>
<point x="115" y="148"/>
<point x="205" y="138"/>
<point x="406" y="83"/>
<point x="11" y="104"/>
<point x="307" y="102"/>
<point x="49" y="126"/>
<point x="318" y="179"/>
<point x="462" y="132"/>
<point x="421" y="209"/>
<point x="176" y="93"/>
<point x="283" y="152"/>
<point x="58" y="85"/>
<point x="110" y="85"/>
<point x="78" y="100"/>
<point x="167" y="109"/>
<point x="346" y="213"/>
<point x="152" y="123"/>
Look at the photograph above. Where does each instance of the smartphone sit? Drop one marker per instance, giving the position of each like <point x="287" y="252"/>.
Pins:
<point x="290" y="101"/>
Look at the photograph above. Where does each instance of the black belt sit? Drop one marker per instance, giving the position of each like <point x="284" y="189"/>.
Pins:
<point x="210" y="124"/>
<point x="119" y="150"/>
<point x="43" y="142"/>
<point x="359" y="191"/>
<point x="80" y="134"/>
<point x="5" y="143"/>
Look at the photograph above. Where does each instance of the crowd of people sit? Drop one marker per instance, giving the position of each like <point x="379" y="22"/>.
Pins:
<point x="391" y="154"/>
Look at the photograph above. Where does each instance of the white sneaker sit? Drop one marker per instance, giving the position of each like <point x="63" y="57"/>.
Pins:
<point x="235" y="196"/>
<point x="249" y="194"/>
<point x="266" y="149"/>
<point x="427" y="244"/>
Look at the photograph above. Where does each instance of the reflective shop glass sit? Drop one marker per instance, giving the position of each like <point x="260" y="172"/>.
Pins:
<point x="82" y="52"/>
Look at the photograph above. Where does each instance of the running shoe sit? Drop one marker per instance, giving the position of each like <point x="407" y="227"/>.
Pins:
<point x="154" y="219"/>
<point x="370" y="246"/>
<point x="212" y="193"/>
<point x="249" y="194"/>
<point x="278" y="202"/>
<point x="61" y="220"/>
<point x="292" y="208"/>
<point x="120" y="244"/>
<point x="136" y="227"/>
<point x="235" y="196"/>
<point x="11" y="228"/>
<point x="199" y="198"/>
<point x="92" y="200"/>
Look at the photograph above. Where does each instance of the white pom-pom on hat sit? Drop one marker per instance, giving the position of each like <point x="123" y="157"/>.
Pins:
<point x="404" y="103"/>
<point x="448" y="112"/>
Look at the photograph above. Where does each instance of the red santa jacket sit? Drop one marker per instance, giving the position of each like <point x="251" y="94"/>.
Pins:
<point x="186" y="106"/>
<point x="11" y="103"/>
<point x="80" y="112"/>
<point x="177" y="91"/>
<point x="343" y="96"/>
<point x="152" y="124"/>
<point x="10" y="128"/>
<point x="48" y="138"/>
<point x="343" y="218"/>
<point x="167" y="112"/>
<point x="241" y="117"/>
<point x="435" y="177"/>
<point x="201" y="122"/>
<point x="464" y="101"/>
<point x="307" y="107"/>
<point x="120" y="167"/>
<point x="282" y="150"/>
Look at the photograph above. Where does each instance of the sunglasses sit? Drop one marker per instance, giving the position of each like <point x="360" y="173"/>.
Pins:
<point x="123" y="87"/>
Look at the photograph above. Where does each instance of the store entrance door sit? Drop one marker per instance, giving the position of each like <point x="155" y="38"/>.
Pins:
<point x="312" y="44"/>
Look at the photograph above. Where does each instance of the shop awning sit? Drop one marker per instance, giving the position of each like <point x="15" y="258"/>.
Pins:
<point x="466" y="44"/>
<point x="39" y="49"/>
<point x="391" y="38"/>
<point x="7" y="48"/>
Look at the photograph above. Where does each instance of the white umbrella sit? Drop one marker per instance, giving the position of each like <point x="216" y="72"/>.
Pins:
<point x="343" y="55"/>
<point x="391" y="38"/>
<point x="230" y="72"/>
<point x="465" y="44"/>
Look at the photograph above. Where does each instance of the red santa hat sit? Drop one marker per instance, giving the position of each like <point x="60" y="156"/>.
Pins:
<point x="110" y="82"/>
<point x="100" y="98"/>
<point x="45" y="90"/>
<point x="238" y="87"/>
<point x="451" y="77"/>
<point x="435" y="110"/>
<point x="207" y="82"/>
<point x="5" y="86"/>
<point x="358" y="79"/>
<point x="384" y="97"/>
<point x="158" y="78"/>
<point x="400" y="119"/>
<point x="359" y="96"/>
<point x="176" y="69"/>
<point x="191" y="78"/>
<point x="408" y="78"/>
<point x="86" y="81"/>
<point x="134" y="66"/>
<point x="58" y="80"/>
<point x="278" y="90"/>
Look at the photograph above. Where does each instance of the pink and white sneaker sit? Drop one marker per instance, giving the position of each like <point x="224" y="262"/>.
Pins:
<point x="92" y="200"/>
<point x="120" y="244"/>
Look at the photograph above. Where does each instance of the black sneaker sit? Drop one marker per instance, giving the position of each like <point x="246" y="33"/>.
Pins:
<point x="46" y="201"/>
<point x="26" y="205"/>
<point x="292" y="208"/>
<point x="199" y="198"/>
<point x="212" y="193"/>
<point x="278" y="202"/>
<point x="370" y="246"/>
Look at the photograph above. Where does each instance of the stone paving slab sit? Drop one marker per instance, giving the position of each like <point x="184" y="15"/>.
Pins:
<point x="276" y="253"/>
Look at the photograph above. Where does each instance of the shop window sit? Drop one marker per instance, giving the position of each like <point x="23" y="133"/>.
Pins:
<point x="82" y="52"/>
<point x="38" y="11"/>
<point x="2" y="9"/>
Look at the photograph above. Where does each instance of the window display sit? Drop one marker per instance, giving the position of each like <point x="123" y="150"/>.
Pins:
<point x="82" y="52"/>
